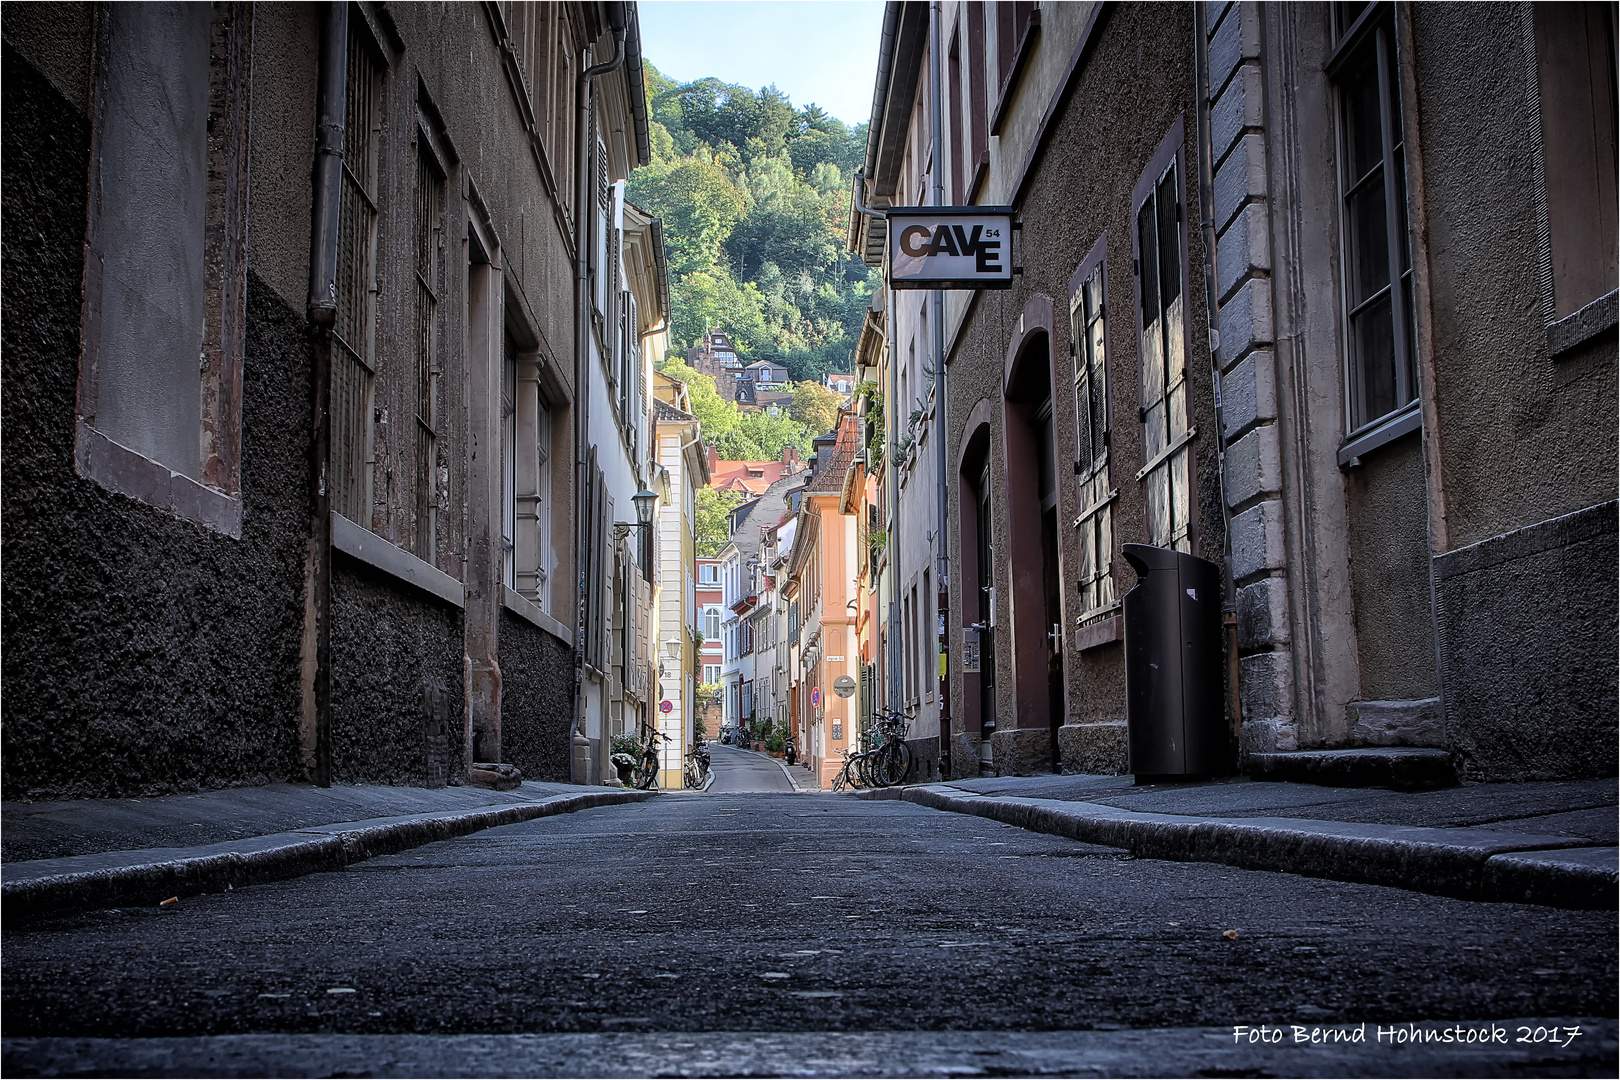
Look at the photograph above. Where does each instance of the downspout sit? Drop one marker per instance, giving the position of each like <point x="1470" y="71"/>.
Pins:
<point x="1206" y="213"/>
<point x="942" y="570"/>
<point x="582" y="354"/>
<point x="315" y="721"/>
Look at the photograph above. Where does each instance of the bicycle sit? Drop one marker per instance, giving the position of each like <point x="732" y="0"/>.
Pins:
<point x="892" y="757"/>
<point x="697" y="765"/>
<point x="646" y="774"/>
<point x="853" y="773"/>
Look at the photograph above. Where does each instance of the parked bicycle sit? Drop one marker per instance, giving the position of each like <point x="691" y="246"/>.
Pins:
<point x="697" y="765"/>
<point x="646" y="774"/>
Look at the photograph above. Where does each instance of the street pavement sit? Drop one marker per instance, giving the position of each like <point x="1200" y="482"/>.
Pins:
<point x="738" y="770"/>
<point x="735" y="933"/>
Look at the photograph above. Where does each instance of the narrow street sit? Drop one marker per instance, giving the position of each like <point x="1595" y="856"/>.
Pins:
<point x="744" y="770"/>
<point x="788" y="916"/>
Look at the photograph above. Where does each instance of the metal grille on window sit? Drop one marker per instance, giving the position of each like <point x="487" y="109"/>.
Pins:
<point x="429" y="200"/>
<point x="1166" y="433"/>
<point x="1096" y="520"/>
<point x="1380" y="375"/>
<point x="352" y="358"/>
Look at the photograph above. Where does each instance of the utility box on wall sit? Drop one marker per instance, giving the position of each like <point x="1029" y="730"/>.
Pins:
<point x="1173" y="704"/>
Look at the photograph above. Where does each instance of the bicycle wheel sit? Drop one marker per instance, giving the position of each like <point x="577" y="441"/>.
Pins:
<point x="896" y="763"/>
<point x="647" y="773"/>
<point x="841" y="781"/>
<point x="693" y="780"/>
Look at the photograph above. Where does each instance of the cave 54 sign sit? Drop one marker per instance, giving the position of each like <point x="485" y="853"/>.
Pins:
<point x="950" y="247"/>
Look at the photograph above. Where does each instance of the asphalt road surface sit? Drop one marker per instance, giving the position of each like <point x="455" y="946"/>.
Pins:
<point x="730" y="934"/>
<point x="744" y="770"/>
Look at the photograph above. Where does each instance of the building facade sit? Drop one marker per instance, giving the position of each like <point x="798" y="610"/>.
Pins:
<point x="1249" y="323"/>
<point x="254" y="543"/>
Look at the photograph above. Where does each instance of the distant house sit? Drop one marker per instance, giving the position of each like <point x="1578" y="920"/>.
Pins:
<point x="840" y="384"/>
<point x="766" y="373"/>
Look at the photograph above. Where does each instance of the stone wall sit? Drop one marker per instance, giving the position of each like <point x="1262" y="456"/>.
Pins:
<point x="143" y="653"/>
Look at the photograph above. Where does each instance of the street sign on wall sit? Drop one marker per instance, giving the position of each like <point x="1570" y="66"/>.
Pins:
<point x="950" y="247"/>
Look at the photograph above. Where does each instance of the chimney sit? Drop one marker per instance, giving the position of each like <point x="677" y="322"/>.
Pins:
<point x="714" y="459"/>
<point x="790" y="457"/>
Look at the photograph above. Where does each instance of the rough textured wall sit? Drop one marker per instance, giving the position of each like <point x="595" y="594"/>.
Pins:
<point x="1096" y="149"/>
<point x="1389" y="573"/>
<point x="1519" y="441"/>
<point x="143" y="654"/>
<point x="1527" y="637"/>
<point x="390" y="644"/>
<point x="537" y="700"/>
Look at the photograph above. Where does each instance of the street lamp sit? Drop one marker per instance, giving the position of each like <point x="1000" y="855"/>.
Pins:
<point x="645" y="501"/>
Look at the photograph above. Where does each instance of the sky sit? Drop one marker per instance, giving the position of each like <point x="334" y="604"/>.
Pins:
<point x="821" y="51"/>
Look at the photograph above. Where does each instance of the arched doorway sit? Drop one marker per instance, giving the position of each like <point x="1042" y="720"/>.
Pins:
<point x="1034" y="556"/>
<point x="977" y="586"/>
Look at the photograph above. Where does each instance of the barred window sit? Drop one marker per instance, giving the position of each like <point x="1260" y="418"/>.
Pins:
<point x="1088" y="344"/>
<point x="353" y="358"/>
<point x="429" y="228"/>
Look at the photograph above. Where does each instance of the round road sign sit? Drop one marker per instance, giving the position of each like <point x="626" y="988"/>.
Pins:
<point x="666" y="706"/>
<point x="815" y="697"/>
<point x="844" y="686"/>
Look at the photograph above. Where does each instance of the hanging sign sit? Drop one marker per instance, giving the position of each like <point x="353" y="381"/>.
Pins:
<point x="970" y="651"/>
<point x="950" y="247"/>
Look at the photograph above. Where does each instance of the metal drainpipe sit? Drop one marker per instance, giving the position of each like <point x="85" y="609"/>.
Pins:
<point x="1206" y="212"/>
<point x="583" y="158"/>
<point x="942" y="578"/>
<point x="321" y="312"/>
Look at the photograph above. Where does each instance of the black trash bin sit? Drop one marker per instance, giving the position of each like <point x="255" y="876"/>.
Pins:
<point x="1173" y="707"/>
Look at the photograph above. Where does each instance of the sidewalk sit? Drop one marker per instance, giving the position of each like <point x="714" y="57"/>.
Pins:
<point x="85" y="853"/>
<point x="1549" y="842"/>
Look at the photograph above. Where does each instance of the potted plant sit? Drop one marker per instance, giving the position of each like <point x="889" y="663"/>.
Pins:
<point x="626" y="754"/>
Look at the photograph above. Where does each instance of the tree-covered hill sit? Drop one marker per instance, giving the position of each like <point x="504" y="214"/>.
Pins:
<point x="754" y="195"/>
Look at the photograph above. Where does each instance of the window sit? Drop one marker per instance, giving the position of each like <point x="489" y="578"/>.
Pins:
<point x="1576" y="79"/>
<point x="429" y="228"/>
<point x="708" y="574"/>
<point x="711" y="674"/>
<point x="1166" y="428"/>
<point x="159" y="396"/>
<point x="354" y="335"/>
<point x="958" y="127"/>
<point x="1376" y="286"/>
<point x="927" y="673"/>
<point x="1088" y="344"/>
<point x="509" y="457"/>
<point x="711" y="624"/>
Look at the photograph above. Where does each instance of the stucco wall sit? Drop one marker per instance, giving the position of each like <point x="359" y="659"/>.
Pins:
<point x="388" y="644"/>
<point x="1096" y="149"/>
<point x="1527" y="635"/>
<point x="1389" y="573"/>
<point x="537" y="694"/>
<point x="143" y="653"/>
<point x="1519" y="442"/>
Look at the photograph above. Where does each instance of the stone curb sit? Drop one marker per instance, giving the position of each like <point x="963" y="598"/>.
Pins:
<point x="1471" y="864"/>
<point x="256" y="860"/>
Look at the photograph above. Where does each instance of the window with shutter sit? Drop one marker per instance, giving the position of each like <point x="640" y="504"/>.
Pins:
<point x="1167" y="431"/>
<point x="1088" y="345"/>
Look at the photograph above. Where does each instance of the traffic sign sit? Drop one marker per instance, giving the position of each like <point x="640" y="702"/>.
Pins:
<point x="815" y="697"/>
<point x="666" y="706"/>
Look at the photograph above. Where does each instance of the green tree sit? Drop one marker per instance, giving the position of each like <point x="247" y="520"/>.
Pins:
<point x="710" y="525"/>
<point x="699" y="205"/>
<point x="815" y="406"/>
<point x="715" y="415"/>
